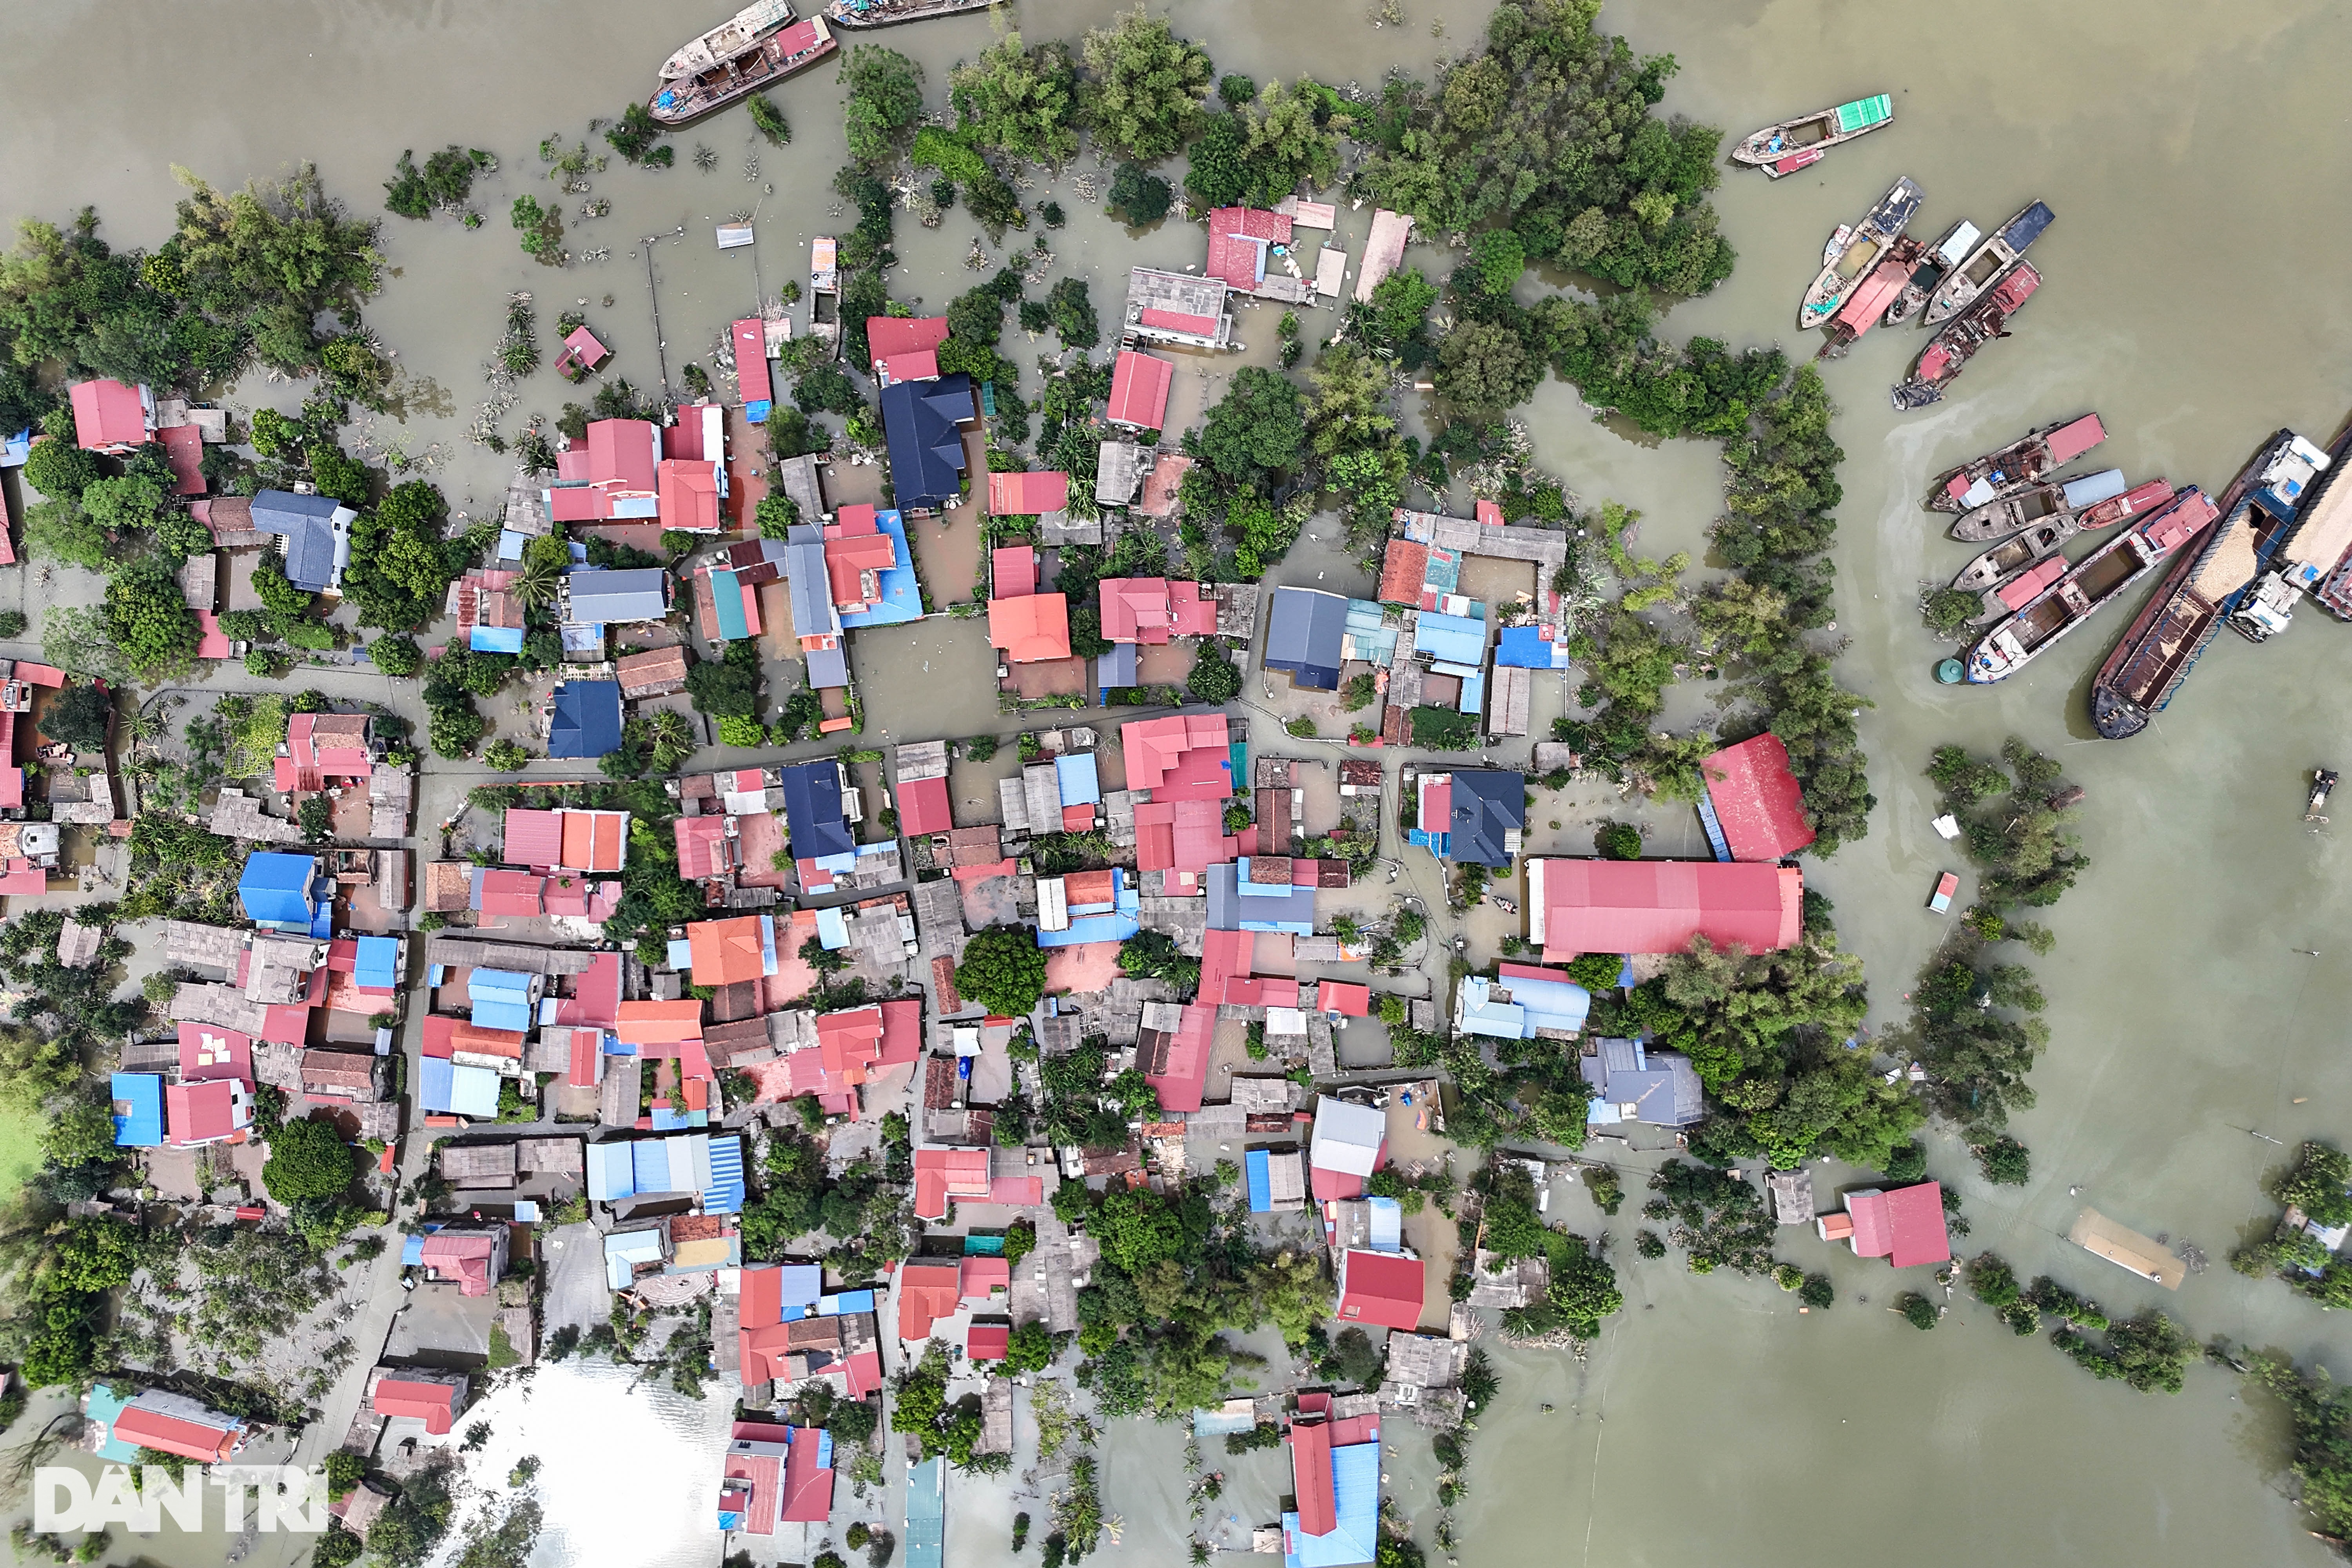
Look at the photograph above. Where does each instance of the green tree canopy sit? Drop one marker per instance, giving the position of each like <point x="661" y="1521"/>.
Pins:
<point x="400" y="569"/>
<point x="1256" y="429"/>
<point x="308" y="1159"/>
<point x="149" y="619"/>
<point x="883" y="99"/>
<point x="1144" y="98"/>
<point x="1003" y="970"/>
<point x="1022" y="102"/>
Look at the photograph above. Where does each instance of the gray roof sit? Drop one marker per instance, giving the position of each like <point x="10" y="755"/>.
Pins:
<point x="811" y="591"/>
<point x="798" y="478"/>
<point x="1116" y="667"/>
<point x="317" y="531"/>
<point x="606" y="597"/>
<point x="1488" y="804"/>
<point x="1662" y="1085"/>
<point x="1306" y="636"/>
<point x="1226" y="906"/>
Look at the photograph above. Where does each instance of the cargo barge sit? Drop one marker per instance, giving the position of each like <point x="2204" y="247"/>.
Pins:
<point x="757" y="48"/>
<point x="2028" y="460"/>
<point x="2314" y="547"/>
<point x="2096" y="581"/>
<point x="1993" y="257"/>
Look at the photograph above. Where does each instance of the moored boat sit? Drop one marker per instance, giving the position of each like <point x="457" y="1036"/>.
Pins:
<point x="1940" y="901"/>
<point x="2152" y="658"/>
<point x="2302" y="483"/>
<point x="2019" y="591"/>
<point x="2028" y="460"/>
<point x="1942" y="256"/>
<point x="825" y="294"/>
<point x="890" y="12"/>
<point x="2042" y="503"/>
<point x="1996" y="255"/>
<point x="1879" y="228"/>
<point x="1793" y="144"/>
<point x="2014" y="554"/>
<point x="757" y="48"/>
<point x="1949" y="353"/>
<point x="2095" y="581"/>
<point x="1869" y="299"/>
<point x="2323" y="780"/>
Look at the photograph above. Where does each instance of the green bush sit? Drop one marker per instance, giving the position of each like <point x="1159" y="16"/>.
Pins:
<point x="1618" y="841"/>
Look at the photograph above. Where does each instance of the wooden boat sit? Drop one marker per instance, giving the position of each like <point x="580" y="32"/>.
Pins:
<point x="890" y="12"/>
<point x="1878" y="229"/>
<point x="2095" y="581"/>
<point x="1868" y="299"/>
<point x="2014" y="554"/>
<point x="1942" y="256"/>
<point x="1798" y="143"/>
<point x="825" y="294"/>
<point x="2043" y="503"/>
<point x="1993" y="257"/>
<point x="2150" y="660"/>
<point x="1949" y="353"/>
<point x="2007" y="598"/>
<point x="757" y="48"/>
<point x="2027" y="460"/>
<point x="1947" y="885"/>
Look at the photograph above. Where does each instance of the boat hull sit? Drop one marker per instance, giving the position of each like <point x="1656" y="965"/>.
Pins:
<point x="2011" y="556"/>
<point x="842" y="15"/>
<point x="1815" y="133"/>
<point x="2042" y="504"/>
<point x="2023" y="463"/>
<point x="2096" y="581"/>
<point x="1949" y="351"/>
<point x="1986" y="265"/>
<point x="783" y="52"/>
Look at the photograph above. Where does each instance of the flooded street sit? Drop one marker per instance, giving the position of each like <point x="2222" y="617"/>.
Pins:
<point x="2195" y="296"/>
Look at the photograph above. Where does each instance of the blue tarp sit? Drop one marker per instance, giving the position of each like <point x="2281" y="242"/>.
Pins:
<point x="138" y="1110"/>
<point x="1523" y="647"/>
<point x="496" y="640"/>
<point x="902" y="598"/>
<point x="1261" y="1184"/>
<point x="727" y="603"/>
<point x="379" y="965"/>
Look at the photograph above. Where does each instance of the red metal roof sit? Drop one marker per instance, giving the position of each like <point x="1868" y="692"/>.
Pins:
<point x="916" y="364"/>
<point x="1030" y="629"/>
<point x="1185" y="1075"/>
<point x="689" y="495"/>
<point x="661" y="1023"/>
<point x="1657" y="906"/>
<point x="208" y="1051"/>
<point x="977" y="1277"/>
<point x="923" y="807"/>
<point x="201" y="1112"/>
<point x="808" y="1487"/>
<point x="1344" y="997"/>
<point x="1183" y="755"/>
<point x="1310" y="1472"/>
<point x="199" y="1440"/>
<point x="988" y="1341"/>
<point x="751" y="360"/>
<point x="1138" y="390"/>
<point x="594" y="840"/>
<point x="513" y="893"/>
<point x="1011" y="572"/>
<point x="2070" y="440"/>
<point x="1027" y="494"/>
<point x="1915" y="1217"/>
<point x="1186" y="835"/>
<point x="533" y="837"/>
<point x="1756" y="799"/>
<point x="887" y="336"/>
<point x="1383" y="1288"/>
<point x="2020" y="590"/>
<point x="1181" y="321"/>
<point x="184" y="449"/>
<point x="621" y="456"/>
<point x="108" y="414"/>
<point x="435" y="1403"/>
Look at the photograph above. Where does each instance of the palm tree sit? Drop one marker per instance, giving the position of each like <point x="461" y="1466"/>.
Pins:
<point x="536" y="584"/>
<point x="673" y="739"/>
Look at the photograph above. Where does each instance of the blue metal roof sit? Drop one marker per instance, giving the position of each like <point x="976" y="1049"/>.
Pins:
<point x="276" y="889"/>
<point x="379" y="963"/>
<point x="1488" y="804"/>
<point x="902" y="598"/>
<point x="1304" y="635"/>
<point x="812" y="811"/>
<point x="495" y="640"/>
<point x="587" y="720"/>
<point x="831" y="931"/>
<point x="1261" y="1184"/>
<point x="1524" y="647"/>
<point x="493" y="1012"/>
<point x="1452" y="639"/>
<point x="927" y="1513"/>
<point x="1084" y="929"/>
<point x="317" y="530"/>
<point x="611" y="1175"/>
<point x="920" y="421"/>
<point x="138" y="1110"/>
<point x="1074" y="773"/>
<point x="1117" y="667"/>
<point x="727" y="603"/>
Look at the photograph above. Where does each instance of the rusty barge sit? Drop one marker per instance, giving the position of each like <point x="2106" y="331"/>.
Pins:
<point x="757" y="48"/>
<point x="2028" y="460"/>
<point x="1950" y="350"/>
<point x="2095" y="582"/>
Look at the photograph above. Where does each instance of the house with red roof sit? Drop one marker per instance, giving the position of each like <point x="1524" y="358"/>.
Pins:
<point x="1381" y="1289"/>
<point x="1030" y="629"/>
<point x="322" y="746"/>
<point x="1182" y="756"/>
<point x="1182" y="837"/>
<point x="216" y="1111"/>
<point x="1031" y="494"/>
<point x="583" y="351"/>
<point x="832" y="1339"/>
<point x="159" y="1419"/>
<point x="903" y="346"/>
<point x="709" y="847"/>
<point x="594" y="841"/>
<point x="855" y="1046"/>
<point x="921" y="800"/>
<point x="1345" y="998"/>
<point x="1175" y="1061"/>
<point x="612" y="472"/>
<point x="1575" y="907"/>
<point x="1012" y="572"/>
<point x="775" y="1474"/>
<point x="1757" y="809"/>
<point x="472" y="1260"/>
<point x="1153" y="609"/>
<point x="1138" y="390"/>
<point x="1177" y="307"/>
<point x="111" y="417"/>
<point x="1349" y="1143"/>
<point x="725" y="951"/>
<point x="1906" y="1227"/>
<point x="418" y="1393"/>
<point x="1241" y="240"/>
<point x="930" y="1288"/>
<point x="531" y="837"/>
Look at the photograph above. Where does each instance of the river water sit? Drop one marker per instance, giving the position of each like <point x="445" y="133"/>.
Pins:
<point x="2195" y="297"/>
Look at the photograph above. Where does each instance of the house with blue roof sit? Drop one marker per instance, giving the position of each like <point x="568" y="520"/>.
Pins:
<point x="922" y="422"/>
<point x="1521" y="1003"/>
<point x="379" y="963"/>
<point x="814" y="815"/>
<point x="1237" y="904"/>
<point x="902" y="599"/>
<point x="1305" y="634"/>
<point x="1527" y="648"/>
<point x="1337" y="1489"/>
<point x="314" y="537"/>
<point x="623" y="1171"/>
<point x="585" y="720"/>
<point x="138" y="1110"/>
<point x="444" y="1088"/>
<point x="1074" y="773"/>
<point x="503" y="998"/>
<point x="280" y="893"/>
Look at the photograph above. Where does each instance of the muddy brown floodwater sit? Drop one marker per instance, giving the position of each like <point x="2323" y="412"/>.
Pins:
<point x="2196" y="297"/>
